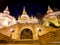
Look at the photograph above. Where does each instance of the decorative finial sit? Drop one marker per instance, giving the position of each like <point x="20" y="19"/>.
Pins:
<point x="49" y="7"/>
<point x="6" y="8"/>
<point x="19" y="17"/>
<point x="6" y="11"/>
<point x="24" y="12"/>
<point x="49" y="10"/>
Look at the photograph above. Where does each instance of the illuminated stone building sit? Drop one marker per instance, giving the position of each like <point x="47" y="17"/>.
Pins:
<point x="6" y="19"/>
<point x="28" y="28"/>
<point x="25" y="28"/>
<point x="26" y="19"/>
<point x="51" y="17"/>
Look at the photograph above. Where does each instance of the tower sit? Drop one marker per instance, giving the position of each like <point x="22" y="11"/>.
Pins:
<point x="19" y="18"/>
<point x="24" y="12"/>
<point x="6" y="11"/>
<point x="49" y="10"/>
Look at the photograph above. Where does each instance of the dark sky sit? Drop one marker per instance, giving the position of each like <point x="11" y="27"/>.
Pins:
<point x="32" y="6"/>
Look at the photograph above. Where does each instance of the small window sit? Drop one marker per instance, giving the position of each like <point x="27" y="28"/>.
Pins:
<point x="39" y="29"/>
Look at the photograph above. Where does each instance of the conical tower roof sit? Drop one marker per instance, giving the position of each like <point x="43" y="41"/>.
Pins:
<point x="49" y="10"/>
<point x="6" y="10"/>
<point x="24" y="12"/>
<point x="19" y="17"/>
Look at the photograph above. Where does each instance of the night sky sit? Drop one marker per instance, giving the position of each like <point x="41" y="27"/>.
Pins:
<point x="32" y="6"/>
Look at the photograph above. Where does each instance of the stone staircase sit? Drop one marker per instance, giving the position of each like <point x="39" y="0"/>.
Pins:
<point x="24" y="42"/>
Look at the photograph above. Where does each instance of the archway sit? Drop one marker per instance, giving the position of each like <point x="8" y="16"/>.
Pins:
<point x="26" y="34"/>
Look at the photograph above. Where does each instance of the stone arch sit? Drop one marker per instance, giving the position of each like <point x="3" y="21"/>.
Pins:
<point x="26" y="34"/>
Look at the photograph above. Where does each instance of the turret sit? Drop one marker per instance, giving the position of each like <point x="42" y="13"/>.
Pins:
<point x="19" y="17"/>
<point x="6" y="11"/>
<point x="49" y="10"/>
<point x="24" y="14"/>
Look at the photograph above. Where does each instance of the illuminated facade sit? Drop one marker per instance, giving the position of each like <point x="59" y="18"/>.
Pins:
<point x="23" y="28"/>
<point x="26" y="28"/>
<point x="24" y="18"/>
<point x="6" y="19"/>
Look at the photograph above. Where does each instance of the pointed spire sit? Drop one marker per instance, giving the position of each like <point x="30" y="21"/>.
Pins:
<point x="19" y="17"/>
<point x="6" y="10"/>
<point x="49" y="10"/>
<point x="24" y="12"/>
<point x="49" y="7"/>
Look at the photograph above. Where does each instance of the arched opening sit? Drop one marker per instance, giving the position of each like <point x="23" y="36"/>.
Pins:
<point x="53" y="25"/>
<point x="26" y="34"/>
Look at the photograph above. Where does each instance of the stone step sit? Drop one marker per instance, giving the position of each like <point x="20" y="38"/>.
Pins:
<point x="21" y="42"/>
